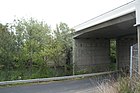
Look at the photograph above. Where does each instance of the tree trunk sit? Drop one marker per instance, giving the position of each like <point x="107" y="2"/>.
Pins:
<point x="68" y="61"/>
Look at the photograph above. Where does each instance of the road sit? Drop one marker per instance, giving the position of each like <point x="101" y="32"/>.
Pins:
<point x="70" y="86"/>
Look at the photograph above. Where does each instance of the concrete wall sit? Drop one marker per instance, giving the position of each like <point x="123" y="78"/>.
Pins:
<point x="123" y="51"/>
<point x="91" y="54"/>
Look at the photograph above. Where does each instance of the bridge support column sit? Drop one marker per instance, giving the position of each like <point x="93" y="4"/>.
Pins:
<point x="91" y="55"/>
<point x="138" y="34"/>
<point x="138" y="30"/>
<point x="123" y="51"/>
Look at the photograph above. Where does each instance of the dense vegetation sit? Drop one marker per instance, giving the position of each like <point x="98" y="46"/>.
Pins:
<point x="31" y="49"/>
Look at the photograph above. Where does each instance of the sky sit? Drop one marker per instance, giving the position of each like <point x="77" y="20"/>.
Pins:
<point x="72" y="12"/>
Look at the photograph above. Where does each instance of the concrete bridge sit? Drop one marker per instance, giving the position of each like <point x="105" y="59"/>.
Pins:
<point x="92" y="38"/>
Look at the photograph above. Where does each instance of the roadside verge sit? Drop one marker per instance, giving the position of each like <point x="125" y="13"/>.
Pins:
<point x="55" y="78"/>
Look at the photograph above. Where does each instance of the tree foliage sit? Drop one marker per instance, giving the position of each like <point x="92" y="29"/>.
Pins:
<point x="31" y="49"/>
<point x="7" y="47"/>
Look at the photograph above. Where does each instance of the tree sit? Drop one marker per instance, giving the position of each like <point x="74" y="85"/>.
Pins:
<point x="28" y="45"/>
<point x="7" y="49"/>
<point x="32" y="39"/>
<point x="60" y="51"/>
<point x="113" y="51"/>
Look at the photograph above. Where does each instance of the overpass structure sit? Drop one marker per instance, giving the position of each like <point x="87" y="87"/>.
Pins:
<point x="92" y="38"/>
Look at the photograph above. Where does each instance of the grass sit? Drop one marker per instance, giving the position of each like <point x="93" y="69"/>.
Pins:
<point x="107" y="88"/>
<point x="122" y="85"/>
<point x="17" y="74"/>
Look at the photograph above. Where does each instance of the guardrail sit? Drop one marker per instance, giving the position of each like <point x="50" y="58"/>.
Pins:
<point x="55" y="78"/>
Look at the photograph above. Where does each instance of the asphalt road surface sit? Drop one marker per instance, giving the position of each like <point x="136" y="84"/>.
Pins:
<point x="70" y="86"/>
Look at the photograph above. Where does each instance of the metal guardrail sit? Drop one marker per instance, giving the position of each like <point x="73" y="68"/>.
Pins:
<point x="55" y="78"/>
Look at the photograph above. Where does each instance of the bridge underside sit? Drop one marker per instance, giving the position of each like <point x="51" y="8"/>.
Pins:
<point x="92" y="45"/>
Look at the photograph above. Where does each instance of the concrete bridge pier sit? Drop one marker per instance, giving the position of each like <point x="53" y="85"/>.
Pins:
<point x="91" y="54"/>
<point x="123" y="45"/>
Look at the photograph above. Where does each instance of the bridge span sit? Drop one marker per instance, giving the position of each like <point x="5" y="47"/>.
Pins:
<point x="92" y="38"/>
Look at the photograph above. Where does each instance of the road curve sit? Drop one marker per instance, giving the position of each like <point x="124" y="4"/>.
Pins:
<point x="87" y="85"/>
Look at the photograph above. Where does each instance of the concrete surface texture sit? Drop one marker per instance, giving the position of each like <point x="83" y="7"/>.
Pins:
<point x="123" y="50"/>
<point x="89" y="53"/>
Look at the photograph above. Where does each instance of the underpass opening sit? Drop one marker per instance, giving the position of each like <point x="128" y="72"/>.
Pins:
<point x="113" y="63"/>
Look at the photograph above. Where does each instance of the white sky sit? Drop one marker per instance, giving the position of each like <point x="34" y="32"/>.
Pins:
<point x="72" y="12"/>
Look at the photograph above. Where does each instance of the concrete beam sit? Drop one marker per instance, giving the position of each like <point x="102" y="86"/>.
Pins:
<point x="137" y="5"/>
<point x="115" y="13"/>
<point x="111" y="24"/>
